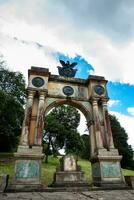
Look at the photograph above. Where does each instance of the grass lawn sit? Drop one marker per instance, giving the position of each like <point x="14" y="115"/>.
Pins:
<point x="49" y="169"/>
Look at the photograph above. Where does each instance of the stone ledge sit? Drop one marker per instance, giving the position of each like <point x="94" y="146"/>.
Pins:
<point x="26" y="149"/>
<point x="110" y="157"/>
<point x="25" y="187"/>
<point x="29" y="155"/>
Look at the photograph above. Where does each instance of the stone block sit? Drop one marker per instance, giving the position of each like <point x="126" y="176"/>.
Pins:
<point x="3" y="182"/>
<point x="69" y="163"/>
<point x="69" y="177"/>
<point x="27" y="168"/>
<point x="107" y="172"/>
<point x="27" y="150"/>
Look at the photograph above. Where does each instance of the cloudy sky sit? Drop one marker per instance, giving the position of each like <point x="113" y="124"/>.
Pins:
<point x="98" y="34"/>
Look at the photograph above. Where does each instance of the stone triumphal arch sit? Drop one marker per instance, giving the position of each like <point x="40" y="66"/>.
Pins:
<point x="46" y="91"/>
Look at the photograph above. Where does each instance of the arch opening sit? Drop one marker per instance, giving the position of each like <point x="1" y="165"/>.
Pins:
<point x="82" y="127"/>
<point x="75" y="105"/>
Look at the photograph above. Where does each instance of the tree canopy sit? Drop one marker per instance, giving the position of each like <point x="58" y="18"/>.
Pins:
<point x="12" y="98"/>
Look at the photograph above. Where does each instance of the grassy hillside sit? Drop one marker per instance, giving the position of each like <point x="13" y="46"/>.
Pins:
<point x="7" y="167"/>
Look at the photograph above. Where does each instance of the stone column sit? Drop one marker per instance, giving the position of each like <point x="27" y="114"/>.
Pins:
<point x="40" y="119"/>
<point x="27" y="119"/>
<point x="90" y="126"/>
<point x="97" y="126"/>
<point x="107" y="126"/>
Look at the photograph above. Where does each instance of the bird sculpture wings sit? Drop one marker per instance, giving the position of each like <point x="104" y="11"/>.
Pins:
<point x="67" y="64"/>
<point x="67" y="69"/>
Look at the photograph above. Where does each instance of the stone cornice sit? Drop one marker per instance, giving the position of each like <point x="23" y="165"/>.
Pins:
<point x="38" y="71"/>
<point x="57" y="78"/>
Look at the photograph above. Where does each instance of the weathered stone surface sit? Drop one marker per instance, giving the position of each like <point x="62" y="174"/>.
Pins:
<point x="3" y="182"/>
<point x="69" y="163"/>
<point x="74" y="177"/>
<point x="90" y="195"/>
<point x="27" y="169"/>
<point x="107" y="172"/>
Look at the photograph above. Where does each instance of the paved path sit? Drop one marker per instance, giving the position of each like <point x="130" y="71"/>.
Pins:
<point x="93" y="195"/>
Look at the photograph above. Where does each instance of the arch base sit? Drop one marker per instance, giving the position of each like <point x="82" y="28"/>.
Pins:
<point x="27" y="168"/>
<point x="106" y="172"/>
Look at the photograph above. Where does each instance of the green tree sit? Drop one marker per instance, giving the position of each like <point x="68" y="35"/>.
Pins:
<point x="53" y="137"/>
<point x="68" y="116"/>
<point x="120" y="138"/>
<point x="61" y="130"/>
<point x="85" y="153"/>
<point x="12" y="98"/>
<point x="74" y="143"/>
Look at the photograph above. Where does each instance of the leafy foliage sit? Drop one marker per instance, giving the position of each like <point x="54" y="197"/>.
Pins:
<point x="74" y="143"/>
<point x="67" y="115"/>
<point x="12" y="97"/>
<point x="85" y="153"/>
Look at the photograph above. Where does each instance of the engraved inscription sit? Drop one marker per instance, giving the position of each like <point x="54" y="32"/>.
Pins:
<point x="27" y="169"/>
<point x="111" y="169"/>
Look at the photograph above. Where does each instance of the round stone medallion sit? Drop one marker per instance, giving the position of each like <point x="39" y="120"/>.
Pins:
<point x="99" y="89"/>
<point x="67" y="90"/>
<point x="38" y="81"/>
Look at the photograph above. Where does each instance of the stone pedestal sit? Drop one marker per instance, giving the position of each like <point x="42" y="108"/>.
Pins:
<point x="69" y="174"/>
<point x="106" y="169"/>
<point x="27" y="169"/>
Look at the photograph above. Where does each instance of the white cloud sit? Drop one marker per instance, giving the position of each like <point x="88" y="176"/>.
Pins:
<point x="112" y="102"/>
<point x="82" y="128"/>
<point x="22" y="55"/>
<point x="131" y="110"/>
<point x="127" y="122"/>
<point x="101" y="32"/>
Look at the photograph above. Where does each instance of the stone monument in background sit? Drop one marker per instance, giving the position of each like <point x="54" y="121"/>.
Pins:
<point x="69" y="173"/>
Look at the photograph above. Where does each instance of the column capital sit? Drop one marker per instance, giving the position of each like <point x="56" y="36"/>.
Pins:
<point x="94" y="99"/>
<point x="31" y="92"/>
<point x="42" y="93"/>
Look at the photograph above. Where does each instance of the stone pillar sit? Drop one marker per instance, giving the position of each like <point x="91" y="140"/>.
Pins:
<point x="40" y="119"/>
<point x="107" y="126"/>
<point x="106" y="169"/>
<point x="90" y="126"/>
<point x="97" y="126"/>
<point x="27" y="174"/>
<point x="27" y="119"/>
